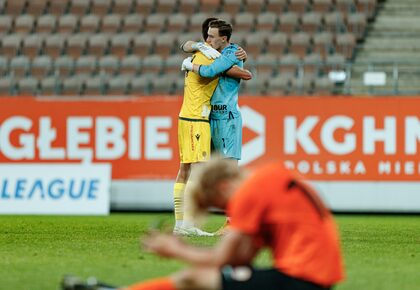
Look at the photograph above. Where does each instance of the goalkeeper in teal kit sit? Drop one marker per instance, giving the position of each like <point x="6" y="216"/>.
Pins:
<point x="225" y="116"/>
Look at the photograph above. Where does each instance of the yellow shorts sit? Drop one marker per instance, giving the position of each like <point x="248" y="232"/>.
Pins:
<point x="194" y="140"/>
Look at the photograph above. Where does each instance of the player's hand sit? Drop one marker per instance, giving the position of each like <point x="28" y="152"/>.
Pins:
<point x="164" y="245"/>
<point x="208" y="51"/>
<point x="187" y="64"/>
<point x="241" y="54"/>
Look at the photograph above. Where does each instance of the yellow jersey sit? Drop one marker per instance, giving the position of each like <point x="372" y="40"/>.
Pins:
<point x="198" y="92"/>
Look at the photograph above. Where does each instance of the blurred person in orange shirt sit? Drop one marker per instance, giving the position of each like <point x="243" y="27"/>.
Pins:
<point x="272" y="208"/>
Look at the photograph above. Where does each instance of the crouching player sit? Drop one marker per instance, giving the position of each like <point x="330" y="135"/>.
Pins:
<point x="271" y="207"/>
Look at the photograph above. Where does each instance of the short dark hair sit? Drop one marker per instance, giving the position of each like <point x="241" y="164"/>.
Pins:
<point x="225" y="29"/>
<point x="205" y="27"/>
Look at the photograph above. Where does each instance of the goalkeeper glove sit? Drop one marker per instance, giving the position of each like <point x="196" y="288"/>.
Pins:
<point x="187" y="64"/>
<point x="207" y="50"/>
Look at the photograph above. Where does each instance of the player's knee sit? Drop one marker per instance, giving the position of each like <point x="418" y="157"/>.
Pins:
<point x="186" y="279"/>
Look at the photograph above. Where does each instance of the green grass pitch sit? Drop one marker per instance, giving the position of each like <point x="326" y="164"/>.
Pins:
<point x="381" y="252"/>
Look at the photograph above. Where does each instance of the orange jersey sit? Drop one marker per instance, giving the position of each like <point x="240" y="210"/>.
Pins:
<point x="304" y="244"/>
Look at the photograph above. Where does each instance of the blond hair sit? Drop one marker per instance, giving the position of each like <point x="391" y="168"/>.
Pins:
<point x="205" y="179"/>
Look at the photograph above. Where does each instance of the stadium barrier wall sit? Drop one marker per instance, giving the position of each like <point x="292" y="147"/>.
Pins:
<point x="361" y="152"/>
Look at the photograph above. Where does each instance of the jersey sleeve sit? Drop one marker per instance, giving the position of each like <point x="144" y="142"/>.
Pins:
<point x="220" y="65"/>
<point x="247" y="207"/>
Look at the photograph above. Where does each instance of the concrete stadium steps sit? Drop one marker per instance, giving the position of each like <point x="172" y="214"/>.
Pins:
<point x="394" y="36"/>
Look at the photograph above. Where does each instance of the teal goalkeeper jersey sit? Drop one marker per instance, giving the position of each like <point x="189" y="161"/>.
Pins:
<point x="224" y="102"/>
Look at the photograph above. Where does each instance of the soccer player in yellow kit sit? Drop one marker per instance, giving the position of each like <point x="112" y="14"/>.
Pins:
<point x="194" y="137"/>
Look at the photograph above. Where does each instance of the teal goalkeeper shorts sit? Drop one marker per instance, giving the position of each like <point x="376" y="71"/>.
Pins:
<point x="226" y="137"/>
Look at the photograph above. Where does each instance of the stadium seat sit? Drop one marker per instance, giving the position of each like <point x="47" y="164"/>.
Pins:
<point x="182" y="38"/>
<point x="94" y="85"/>
<point x="36" y="7"/>
<point x="266" y="22"/>
<point x="143" y="44"/>
<point x="118" y="85"/>
<point x="46" y="24"/>
<point x="279" y="86"/>
<point x="164" y="44"/>
<point x="67" y="24"/>
<point x="19" y="66"/>
<point x="155" y="23"/>
<point x="165" y="6"/>
<point x="14" y="7"/>
<point x="54" y="45"/>
<point x="335" y="62"/>
<point x="24" y="24"/>
<point x="101" y="7"/>
<point x="254" y="43"/>
<point x="6" y="23"/>
<point x="32" y="45"/>
<point x="130" y="65"/>
<point x="276" y="6"/>
<point x="140" y="85"/>
<point x="164" y="84"/>
<point x="187" y="7"/>
<point x="277" y="43"/>
<point x="196" y="21"/>
<point x="108" y="65"/>
<point x="179" y="86"/>
<point x="238" y="37"/>
<point x="177" y="22"/>
<point x="76" y="44"/>
<point x="4" y="66"/>
<point x="266" y="64"/>
<point x="298" y="6"/>
<point x="210" y="6"/>
<point x="232" y="7"/>
<point x="368" y="7"/>
<point x="323" y="86"/>
<point x="345" y="6"/>
<point x="41" y="67"/>
<point x="7" y="86"/>
<point x="120" y="44"/>
<point x="311" y="22"/>
<point x="122" y="7"/>
<point x="173" y="64"/>
<point x="59" y="7"/>
<point x="335" y="22"/>
<point x="72" y="86"/>
<point x="10" y="45"/>
<point x="111" y="23"/>
<point x="289" y="64"/>
<point x="132" y="23"/>
<point x="356" y="24"/>
<point x="302" y="85"/>
<point x="85" y="66"/>
<point x="244" y="22"/>
<point x="312" y="64"/>
<point x="345" y="44"/>
<point x="89" y="23"/>
<point x="225" y="16"/>
<point x="50" y="86"/>
<point x="300" y="43"/>
<point x="254" y="6"/>
<point x="288" y="22"/>
<point x="28" y="86"/>
<point x="63" y="66"/>
<point x="98" y="44"/>
<point x="79" y="7"/>
<point x="322" y="6"/>
<point x="152" y="64"/>
<point x="144" y="7"/>
<point x="255" y="86"/>
<point x="323" y="43"/>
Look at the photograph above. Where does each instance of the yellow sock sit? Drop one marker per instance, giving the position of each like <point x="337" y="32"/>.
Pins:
<point x="179" y="189"/>
<point x="188" y="212"/>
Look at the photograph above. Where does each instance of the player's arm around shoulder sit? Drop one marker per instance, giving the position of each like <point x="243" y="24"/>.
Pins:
<point x="239" y="73"/>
